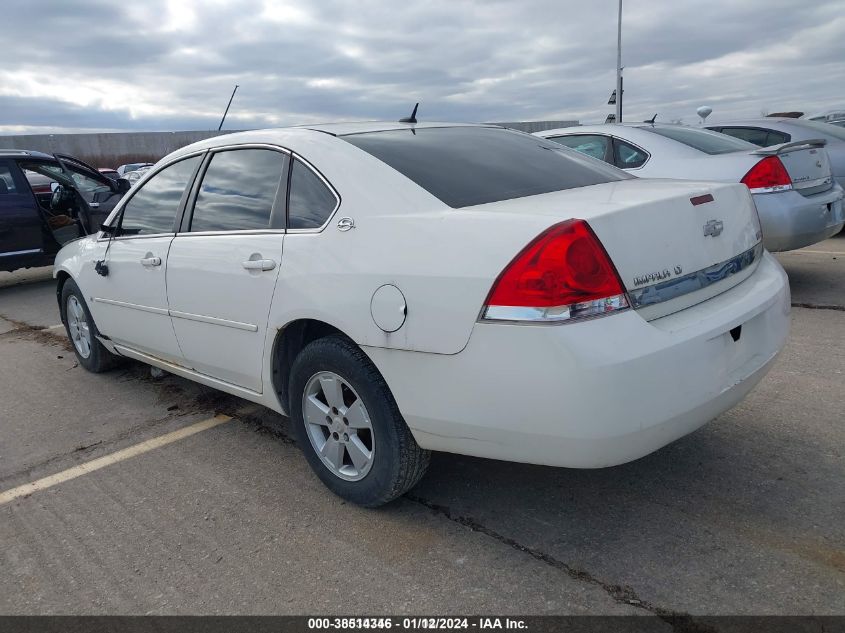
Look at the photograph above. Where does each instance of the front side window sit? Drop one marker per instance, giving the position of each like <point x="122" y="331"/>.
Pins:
<point x="589" y="144"/>
<point x="81" y="179"/>
<point x="239" y="191"/>
<point x="626" y="156"/>
<point x="311" y="201"/>
<point x="152" y="209"/>
<point x="705" y="141"/>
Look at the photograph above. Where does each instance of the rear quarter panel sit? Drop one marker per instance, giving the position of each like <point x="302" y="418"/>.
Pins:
<point x="443" y="260"/>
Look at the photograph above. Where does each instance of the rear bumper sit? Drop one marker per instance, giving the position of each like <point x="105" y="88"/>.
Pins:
<point x="596" y="393"/>
<point x="791" y="221"/>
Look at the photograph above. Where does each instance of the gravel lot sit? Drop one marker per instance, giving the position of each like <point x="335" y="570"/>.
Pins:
<point x="743" y="516"/>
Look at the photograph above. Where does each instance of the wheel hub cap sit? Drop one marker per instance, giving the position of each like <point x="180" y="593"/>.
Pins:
<point x="77" y="325"/>
<point x="338" y="426"/>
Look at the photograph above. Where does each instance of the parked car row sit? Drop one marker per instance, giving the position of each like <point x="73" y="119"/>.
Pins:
<point x="401" y="288"/>
<point x="792" y="182"/>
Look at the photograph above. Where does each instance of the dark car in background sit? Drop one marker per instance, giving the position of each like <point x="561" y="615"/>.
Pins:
<point x="47" y="201"/>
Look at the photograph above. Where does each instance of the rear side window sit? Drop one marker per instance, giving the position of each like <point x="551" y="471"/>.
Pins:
<point x="467" y="166"/>
<point x="589" y="144"/>
<point x="311" y="201"/>
<point x="626" y="156"/>
<point x="705" y="141"/>
<point x="152" y="209"/>
<point x="239" y="191"/>
<point x="776" y="138"/>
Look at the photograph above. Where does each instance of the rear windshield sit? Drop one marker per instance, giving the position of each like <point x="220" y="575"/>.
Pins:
<point x="703" y="140"/>
<point x="466" y="166"/>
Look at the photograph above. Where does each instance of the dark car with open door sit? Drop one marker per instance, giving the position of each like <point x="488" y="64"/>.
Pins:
<point x="47" y="201"/>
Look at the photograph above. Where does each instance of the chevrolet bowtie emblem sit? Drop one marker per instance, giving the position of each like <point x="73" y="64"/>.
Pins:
<point x="713" y="227"/>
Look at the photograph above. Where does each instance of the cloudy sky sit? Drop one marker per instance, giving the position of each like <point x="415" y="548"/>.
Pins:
<point x="85" y="65"/>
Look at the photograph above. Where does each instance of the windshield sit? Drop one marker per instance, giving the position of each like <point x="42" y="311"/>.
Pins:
<point x="703" y="140"/>
<point x="466" y="166"/>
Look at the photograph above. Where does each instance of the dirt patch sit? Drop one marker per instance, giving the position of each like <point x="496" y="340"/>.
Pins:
<point x="37" y="333"/>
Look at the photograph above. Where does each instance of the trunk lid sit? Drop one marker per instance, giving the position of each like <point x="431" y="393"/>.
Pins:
<point x="674" y="243"/>
<point x="806" y="162"/>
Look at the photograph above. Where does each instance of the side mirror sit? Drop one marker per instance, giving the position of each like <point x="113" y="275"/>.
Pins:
<point x="123" y="185"/>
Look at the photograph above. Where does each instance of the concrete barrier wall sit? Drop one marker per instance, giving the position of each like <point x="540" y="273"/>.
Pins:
<point x="117" y="148"/>
<point x="536" y="126"/>
<point x="108" y="149"/>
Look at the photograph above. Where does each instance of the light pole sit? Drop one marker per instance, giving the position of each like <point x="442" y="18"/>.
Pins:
<point x="619" y="67"/>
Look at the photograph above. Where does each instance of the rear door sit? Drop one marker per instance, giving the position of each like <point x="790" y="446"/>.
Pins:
<point x="223" y="263"/>
<point x="21" y="235"/>
<point x="129" y="305"/>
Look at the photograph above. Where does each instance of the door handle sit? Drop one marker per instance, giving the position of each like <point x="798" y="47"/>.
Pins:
<point x="259" y="264"/>
<point x="151" y="261"/>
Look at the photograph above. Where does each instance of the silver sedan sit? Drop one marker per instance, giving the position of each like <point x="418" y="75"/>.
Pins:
<point x="771" y="131"/>
<point x="798" y="200"/>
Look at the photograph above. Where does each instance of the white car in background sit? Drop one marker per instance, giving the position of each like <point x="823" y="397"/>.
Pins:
<point x="798" y="200"/>
<point x="399" y="288"/>
<point x="136" y="174"/>
<point x="123" y="170"/>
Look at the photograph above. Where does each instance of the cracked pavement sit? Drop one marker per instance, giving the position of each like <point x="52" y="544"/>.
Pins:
<point x="743" y="516"/>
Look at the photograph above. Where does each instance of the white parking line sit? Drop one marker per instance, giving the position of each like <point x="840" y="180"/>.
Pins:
<point x="54" y="327"/>
<point x="112" y="458"/>
<point x="808" y="252"/>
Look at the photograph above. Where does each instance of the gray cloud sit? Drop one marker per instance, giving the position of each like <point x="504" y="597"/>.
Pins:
<point x="171" y="65"/>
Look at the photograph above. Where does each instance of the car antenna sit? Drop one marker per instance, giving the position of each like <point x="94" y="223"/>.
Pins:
<point x="651" y="120"/>
<point x="413" y="117"/>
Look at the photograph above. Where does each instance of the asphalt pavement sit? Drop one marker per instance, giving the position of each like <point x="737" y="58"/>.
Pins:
<point x="743" y="516"/>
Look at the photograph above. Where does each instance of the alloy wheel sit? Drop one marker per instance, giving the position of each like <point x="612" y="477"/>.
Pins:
<point x="338" y="426"/>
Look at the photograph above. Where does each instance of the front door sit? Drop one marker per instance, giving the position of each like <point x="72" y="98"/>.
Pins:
<point x="129" y="304"/>
<point x="21" y="233"/>
<point x="223" y="264"/>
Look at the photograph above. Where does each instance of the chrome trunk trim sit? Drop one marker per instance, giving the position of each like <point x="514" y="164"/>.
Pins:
<point x="692" y="282"/>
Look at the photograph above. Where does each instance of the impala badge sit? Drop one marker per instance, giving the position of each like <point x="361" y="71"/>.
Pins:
<point x="713" y="227"/>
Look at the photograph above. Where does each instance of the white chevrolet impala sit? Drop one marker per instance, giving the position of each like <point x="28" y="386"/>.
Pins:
<point x="400" y="288"/>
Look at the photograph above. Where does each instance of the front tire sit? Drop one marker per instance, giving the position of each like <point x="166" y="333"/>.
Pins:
<point x="79" y="324"/>
<point x="349" y="426"/>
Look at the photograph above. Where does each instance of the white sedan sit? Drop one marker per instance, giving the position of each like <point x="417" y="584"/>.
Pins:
<point x="796" y="195"/>
<point x="401" y="288"/>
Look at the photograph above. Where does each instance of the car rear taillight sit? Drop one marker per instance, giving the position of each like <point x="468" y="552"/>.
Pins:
<point x="564" y="274"/>
<point x="767" y="176"/>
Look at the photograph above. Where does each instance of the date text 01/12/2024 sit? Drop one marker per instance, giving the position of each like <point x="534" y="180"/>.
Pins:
<point x="416" y="623"/>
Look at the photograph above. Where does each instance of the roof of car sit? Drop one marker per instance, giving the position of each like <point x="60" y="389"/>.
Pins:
<point x="361" y="127"/>
<point x="24" y="153"/>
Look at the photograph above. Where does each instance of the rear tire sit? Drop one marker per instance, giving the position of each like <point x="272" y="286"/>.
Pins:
<point x="81" y="331"/>
<point x="349" y="426"/>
